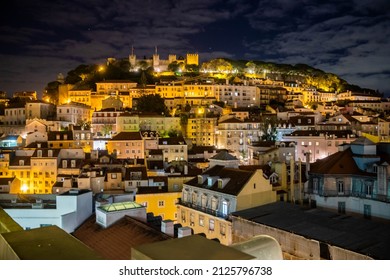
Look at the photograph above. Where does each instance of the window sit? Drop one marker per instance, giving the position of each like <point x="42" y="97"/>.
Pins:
<point x="204" y="200"/>
<point x="341" y="207"/>
<point x="315" y="185"/>
<point x="225" y="207"/>
<point x="340" y="187"/>
<point x="113" y="175"/>
<point x="201" y="220"/>
<point x="185" y="195"/>
<point x="368" y="186"/>
<point x="211" y="225"/>
<point x="194" y="197"/>
<point x="367" y="211"/>
<point x="222" y="229"/>
<point x="214" y="203"/>
<point x="183" y="216"/>
<point x="192" y="219"/>
<point x="161" y="203"/>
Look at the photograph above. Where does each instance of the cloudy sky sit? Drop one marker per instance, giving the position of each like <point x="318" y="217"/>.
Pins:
<point x="39" y="39"/>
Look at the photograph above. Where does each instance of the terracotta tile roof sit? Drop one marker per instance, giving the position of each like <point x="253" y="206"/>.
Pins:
<point x="338" y="163"/>
<point x="238" y="179"/>
<point x="15" y="161"/>
<point x="172" y="141"/>
<point x="115" y="242"/>
<point x="52" y="135"/>
<point x="45" y="152"/>
<point x="224" y="155"/>
<point x="123" y="136"/>
<point x="232" y="120"/>
<point x="129" y="174"/>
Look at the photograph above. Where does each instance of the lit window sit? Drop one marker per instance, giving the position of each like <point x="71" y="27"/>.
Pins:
<point x="201" y="220"/>
<point x="211" y="225"/>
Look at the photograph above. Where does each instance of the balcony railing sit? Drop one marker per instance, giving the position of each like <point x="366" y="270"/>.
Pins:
<point x="204" y="209"/>
<point x="347" y="193"/>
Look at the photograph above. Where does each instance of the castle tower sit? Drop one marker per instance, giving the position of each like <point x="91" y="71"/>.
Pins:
<point x="156" y="59"/>
<point x="192" y="58"/>
<point x="172" y="58"/>
<point x="132" y="58"/>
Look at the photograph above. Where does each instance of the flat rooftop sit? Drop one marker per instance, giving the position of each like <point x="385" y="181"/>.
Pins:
<point x="48" y="243"/>
<point x="193" y="247"/>
<point x="367" y="237"/>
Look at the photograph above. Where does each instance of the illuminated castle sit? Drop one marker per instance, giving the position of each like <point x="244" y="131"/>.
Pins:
<point x="161" y="65"/>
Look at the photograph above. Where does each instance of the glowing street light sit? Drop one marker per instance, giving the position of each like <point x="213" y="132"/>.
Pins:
<point x="24" y="188"/>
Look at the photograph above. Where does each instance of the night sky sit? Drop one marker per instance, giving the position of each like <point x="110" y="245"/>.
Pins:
<point x="40" y="39"/>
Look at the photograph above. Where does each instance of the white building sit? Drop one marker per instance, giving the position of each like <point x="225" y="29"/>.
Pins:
<point x="75" y="113"/>
<point x="67" y="211"/>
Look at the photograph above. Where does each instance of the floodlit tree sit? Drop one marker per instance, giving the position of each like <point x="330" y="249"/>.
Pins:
<point x="268" y="129"/>
<point x="152" y="103"/>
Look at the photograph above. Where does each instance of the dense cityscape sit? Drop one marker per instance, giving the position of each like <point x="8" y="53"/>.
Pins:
<point x="180" y="154"/>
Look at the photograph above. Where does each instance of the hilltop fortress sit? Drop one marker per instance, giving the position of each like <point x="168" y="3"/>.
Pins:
<point x="161" y="65"/>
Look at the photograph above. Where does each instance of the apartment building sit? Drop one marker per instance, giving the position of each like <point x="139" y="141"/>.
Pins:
<point x="235" y="135"/>
<point x="74" y="113"/>
<point x="127" y="145"/>
<point x="353" y="180"/>
<point x="208" y="200"/>
<point x="319" y="144"/>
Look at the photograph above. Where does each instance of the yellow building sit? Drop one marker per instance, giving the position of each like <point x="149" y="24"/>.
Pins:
<point x="208" y="200"/>
<point x="80" y="96"/>
<point x="172" y="93"/>
<point x="201" y="131"/>
<point x="160" y="204"/>
<point x="19" y="167"/>
<point x="198" y="94"/>
<point x="127" y="122"/>
<point x="43" y="172"/>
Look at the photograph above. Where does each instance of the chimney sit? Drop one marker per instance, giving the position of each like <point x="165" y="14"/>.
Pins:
<point x="167" y="227"/>
<point x="292" y="172"/>
<point x="183" y="232"/>
<point x="307" y="164"/>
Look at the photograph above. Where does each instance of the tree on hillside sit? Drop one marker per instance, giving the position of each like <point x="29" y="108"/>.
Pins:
<point x="51" y="92"/>
<point x="192" y="68"/>
<point x="153" y="103"/>
<point x="218" y="64"/>
<point x="268" y="128"/>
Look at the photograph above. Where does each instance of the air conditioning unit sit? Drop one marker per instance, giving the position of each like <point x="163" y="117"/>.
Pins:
<point x="37" y="206"/>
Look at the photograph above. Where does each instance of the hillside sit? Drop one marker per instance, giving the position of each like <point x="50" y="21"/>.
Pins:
<point x="86" y="76"/>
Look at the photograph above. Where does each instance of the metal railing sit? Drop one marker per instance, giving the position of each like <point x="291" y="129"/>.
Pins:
<point x="347" y="193"/>
<point x="203" y="209"/>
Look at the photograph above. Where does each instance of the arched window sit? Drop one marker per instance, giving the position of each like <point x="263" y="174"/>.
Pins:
<point x="214" y="203"/>
<point x="225" y="207"/>
<point x="204" y="200"/>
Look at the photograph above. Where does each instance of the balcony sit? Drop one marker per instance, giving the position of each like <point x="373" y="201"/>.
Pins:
<point x="204" y="209"/>
<point x="348" y="193"/>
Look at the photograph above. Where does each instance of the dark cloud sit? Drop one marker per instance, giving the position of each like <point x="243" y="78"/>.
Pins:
<point x="43" y="38"/>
